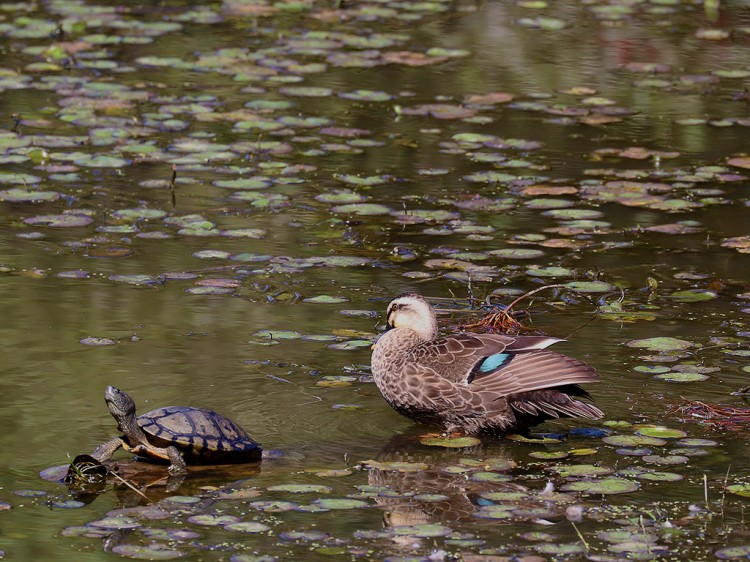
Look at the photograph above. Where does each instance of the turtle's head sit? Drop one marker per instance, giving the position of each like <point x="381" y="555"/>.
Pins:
<point x="412" y="312"/>
<point x="121" y="406"/>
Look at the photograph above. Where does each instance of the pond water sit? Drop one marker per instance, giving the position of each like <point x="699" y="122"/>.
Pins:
<point x="212" y="204"/>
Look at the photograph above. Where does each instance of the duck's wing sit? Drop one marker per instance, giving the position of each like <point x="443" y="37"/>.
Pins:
<point x="462" y="358"/>
<point x="453" y="357"/>
<point x="525" y="371"/>
<point x="477" y="375"/>
<point x="540" y="384"/>
<point x="501" y="365"/>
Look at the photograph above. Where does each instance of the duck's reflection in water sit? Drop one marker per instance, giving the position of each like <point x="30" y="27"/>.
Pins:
<point x="416" y="484"/>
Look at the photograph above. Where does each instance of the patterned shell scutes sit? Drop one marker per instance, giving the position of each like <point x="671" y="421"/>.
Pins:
<point x="195" y="428"/>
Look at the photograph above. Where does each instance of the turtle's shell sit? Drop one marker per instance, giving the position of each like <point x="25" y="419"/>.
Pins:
<point x="203" y="436"/>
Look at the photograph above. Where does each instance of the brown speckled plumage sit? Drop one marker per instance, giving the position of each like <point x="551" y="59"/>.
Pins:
<point x="445" y="381"/>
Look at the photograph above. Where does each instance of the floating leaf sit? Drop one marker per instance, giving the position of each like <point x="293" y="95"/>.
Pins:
<point x="740" y="490"/>
<point x="278" y="334"/>
<point x="549" y="455"/>
<point x="693" y="295"/>
<point x="22" y="195"/>
<point x="97" y="342"/>
<point x="210" y="520"/>
<point x="304" y="535"/>
<point x="301" y="488"/>
<point x="550" y="272"/>
<point x="660" y="432"/>
<point x="60" y="221"/>
<point x="327" y="299"/>
<point x="146" y="280"/>
<point x="580" y="470"/>
<point x="451" y="442"/>
<point x="693" y="442"/>
<point x="666" y="459"/>
<point x="605" y="486"/>
<point x="487" y="476"/>
<point x="363" y="209"/>
<point x="517" y="253"/>
<point x="495" y="511"/>
<point x="273" y="506"/>
<point x="740" y="243"/>
<point x="247" y="527"/>
<point x="150" y="552"/>
<point x="254" y="233"/>
<point x="681" y="377"/>
<point x="663" y="343"/>
<point x="427" y="530"/>
<point x="336" y="503"/>
<point x="116" y="523"/>
<point x="590" y="286"/>
<point x="732" y="552"/>
<point x="18" y="178"/>
<point x="397" y="466"/>
<point x="660" y="477"/>
<point x="634" y="441"/>
<point x="335" y="381"/>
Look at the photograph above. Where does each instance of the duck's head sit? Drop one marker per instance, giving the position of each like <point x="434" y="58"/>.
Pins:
<point x="411" y="311"/>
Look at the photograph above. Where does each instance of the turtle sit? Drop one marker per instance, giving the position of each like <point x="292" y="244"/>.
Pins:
<point x="180" y="434"/>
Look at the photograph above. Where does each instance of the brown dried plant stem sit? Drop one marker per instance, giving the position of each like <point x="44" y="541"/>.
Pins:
<point x="503" y="321"/>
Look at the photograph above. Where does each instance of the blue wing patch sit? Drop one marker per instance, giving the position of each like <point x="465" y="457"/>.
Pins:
<point x="494" y="362"/>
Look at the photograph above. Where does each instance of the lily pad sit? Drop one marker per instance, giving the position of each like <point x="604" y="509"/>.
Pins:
<point x="682" y="377"/>
<point x="451" y="442"/>
<point x="301" y="488"/>
<point x="97" y="342"/>
<point x="210" y="520"/>
<point x="327" y="299"/>
<point x="634" y="441"/>
<point x="60" y="221"/>
<point x="426" y="530"/>
<point x="397" y="466"/>
<point x="271" y="506"/>
<point x="21" y="195"/>
<point x="362" y="209"/>
<point x="304" y="535"/>
<point x="517" y="253"/>
<point x="657" y="476"/>
<point x="147" y="552"/>
<point x="590" y="286"/>
<point x="116" y="523"/>
<point x="733" y="552"/>
<point x="605" y="486"/>
<point x="666" y="459"/>
<point x="739" y="489"/>
<point x="577" y="470"/>
<point x="247" y="527"/>
<point x="339" y="503"/>
<point x="554" y="271"/>
<point x="663" y="343"/>
<point x="661" y="432"/>
<point x="693" y="295"/>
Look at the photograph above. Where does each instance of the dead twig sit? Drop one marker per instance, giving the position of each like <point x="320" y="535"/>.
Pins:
<point x="503" y="320"/>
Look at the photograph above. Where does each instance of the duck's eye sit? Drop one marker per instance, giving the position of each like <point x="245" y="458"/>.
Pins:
<point x="390" y="319"/>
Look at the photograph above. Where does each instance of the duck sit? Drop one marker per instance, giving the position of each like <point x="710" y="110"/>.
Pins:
<point x="473" y="384"/>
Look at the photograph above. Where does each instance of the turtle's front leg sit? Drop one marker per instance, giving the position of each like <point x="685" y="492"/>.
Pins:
<point x="178" y="465"/>
<point x="105" y="451"/>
